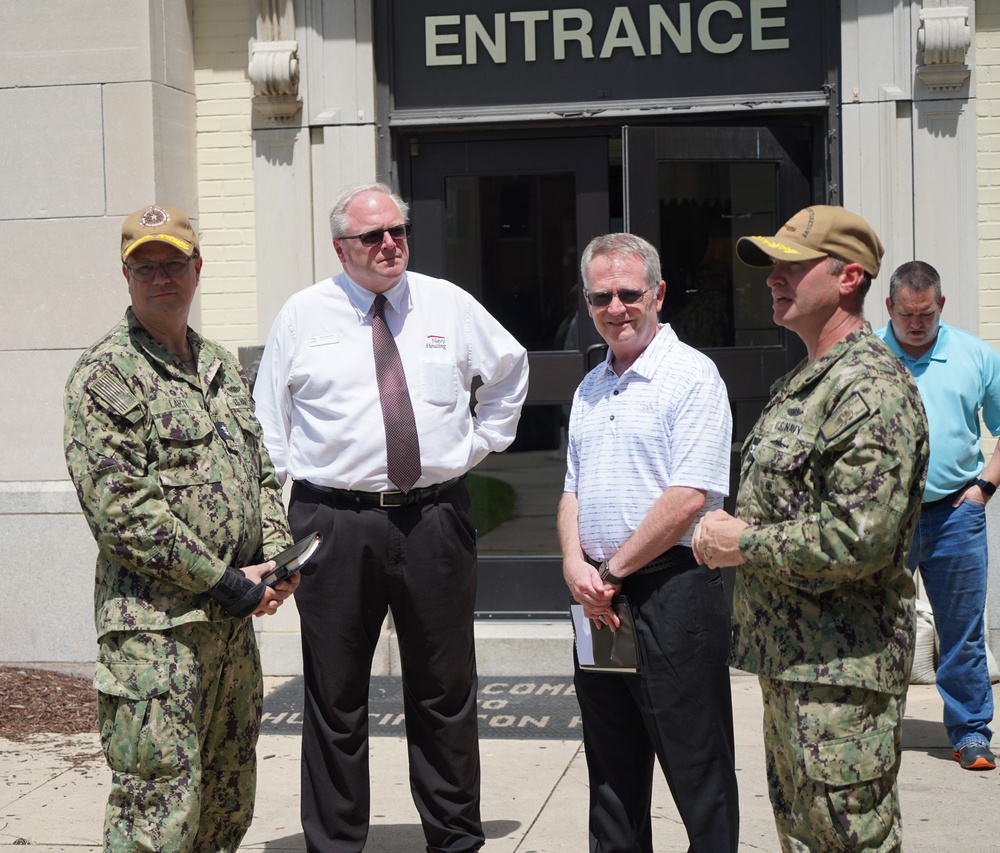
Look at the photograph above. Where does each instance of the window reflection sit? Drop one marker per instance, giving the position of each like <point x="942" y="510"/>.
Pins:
<point x="712" y="300"/>
<point x="511" y="242"/>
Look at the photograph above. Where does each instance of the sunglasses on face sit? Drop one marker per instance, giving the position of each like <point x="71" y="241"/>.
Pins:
<point x="602" y="298"/>
<point x="173" y="267"/>
<point x="375" y="238"/>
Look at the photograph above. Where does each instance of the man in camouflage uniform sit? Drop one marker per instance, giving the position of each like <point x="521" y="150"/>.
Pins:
<point x="830" y="490"/>
<point x="173" y="478"/>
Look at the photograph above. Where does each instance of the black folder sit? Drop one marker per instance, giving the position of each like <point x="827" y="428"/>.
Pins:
<point x="612" y="651"/>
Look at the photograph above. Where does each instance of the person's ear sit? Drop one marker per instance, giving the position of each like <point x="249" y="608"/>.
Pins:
<point x="851" y="278"/>
<point x="661" y="292"/>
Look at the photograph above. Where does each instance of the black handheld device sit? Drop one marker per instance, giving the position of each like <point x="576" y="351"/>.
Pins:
<point x="292" y="559"/>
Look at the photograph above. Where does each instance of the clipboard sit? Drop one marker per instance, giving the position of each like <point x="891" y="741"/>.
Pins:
<point x="292" y="559"/>
<point x="605" y="650"/>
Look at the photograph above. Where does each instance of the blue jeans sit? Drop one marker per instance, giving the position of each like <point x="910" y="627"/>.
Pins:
<point x="949" y="546"/>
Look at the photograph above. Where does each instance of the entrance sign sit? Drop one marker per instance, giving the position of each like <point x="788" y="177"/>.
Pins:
<point x="452" y="54"/>
<point x="576" y="26"/>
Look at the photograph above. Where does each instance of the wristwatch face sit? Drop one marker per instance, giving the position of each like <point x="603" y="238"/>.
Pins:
<point x="606" y="574"/>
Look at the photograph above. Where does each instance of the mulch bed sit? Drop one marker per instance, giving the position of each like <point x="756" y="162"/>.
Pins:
<point x="36" y="701"/>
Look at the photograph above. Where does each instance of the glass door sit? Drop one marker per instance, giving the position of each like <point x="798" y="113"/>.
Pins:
<point x="693" y="192"/>
<point x="507" y="220"/>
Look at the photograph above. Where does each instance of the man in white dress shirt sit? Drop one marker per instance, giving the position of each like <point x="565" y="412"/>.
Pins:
<point x="649" y="446"/>
<point x="411" y="548"/>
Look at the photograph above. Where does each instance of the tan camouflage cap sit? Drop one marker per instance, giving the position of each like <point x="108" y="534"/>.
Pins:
<point x="156" y="222"/>
<point x="817" y="232"/>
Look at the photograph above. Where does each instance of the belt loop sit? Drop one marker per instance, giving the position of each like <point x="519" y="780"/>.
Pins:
<point x="437" y="495"/>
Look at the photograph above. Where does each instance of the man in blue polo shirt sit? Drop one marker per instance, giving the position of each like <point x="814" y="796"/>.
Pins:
<point x="958" y="375"/>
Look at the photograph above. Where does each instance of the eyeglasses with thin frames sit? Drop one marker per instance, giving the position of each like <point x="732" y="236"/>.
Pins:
<point x="375" y="238"/>
<point x="602" y="298"/>
<point x="173" y="267"/>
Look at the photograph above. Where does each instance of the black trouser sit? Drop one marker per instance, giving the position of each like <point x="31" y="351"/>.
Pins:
<point x="679" y="711"/>
<point x="420" y="562"/>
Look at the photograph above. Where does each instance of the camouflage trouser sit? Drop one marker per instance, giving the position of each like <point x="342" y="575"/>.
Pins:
<point x="179" y="713"/>
<point x="832" y="758"/>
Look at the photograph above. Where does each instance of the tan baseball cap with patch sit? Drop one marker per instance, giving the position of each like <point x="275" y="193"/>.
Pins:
<point x="157" y="222"/>
<point x="817" y="232"/>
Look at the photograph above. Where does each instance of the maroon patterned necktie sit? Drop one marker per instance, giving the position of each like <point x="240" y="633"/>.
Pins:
<point x="402" y="447"/>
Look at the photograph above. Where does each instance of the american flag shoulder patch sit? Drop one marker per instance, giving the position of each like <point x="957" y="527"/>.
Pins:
<point x="110" y="390"/>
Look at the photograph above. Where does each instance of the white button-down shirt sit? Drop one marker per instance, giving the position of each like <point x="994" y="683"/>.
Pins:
<point x="317" y="394"/>
<point x="664" y="422"/>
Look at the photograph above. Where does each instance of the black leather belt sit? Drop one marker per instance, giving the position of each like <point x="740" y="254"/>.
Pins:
<point x="669" y="559"/>
<point x="384" y="499"/>
<point x="951" y="497"/>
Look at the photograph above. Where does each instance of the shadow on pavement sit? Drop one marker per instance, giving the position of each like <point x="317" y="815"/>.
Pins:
<point x="924" y="734"/>
<point x="396" y="836"/>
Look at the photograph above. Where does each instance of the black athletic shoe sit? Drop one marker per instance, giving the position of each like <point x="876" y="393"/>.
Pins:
<point x="975" y="756"/>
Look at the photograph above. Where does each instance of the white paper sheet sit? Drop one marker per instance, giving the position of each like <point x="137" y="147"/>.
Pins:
<point x="582" y="628"/>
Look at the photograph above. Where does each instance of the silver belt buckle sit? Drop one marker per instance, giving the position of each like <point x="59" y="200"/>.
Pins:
<point x="383" y="495"/>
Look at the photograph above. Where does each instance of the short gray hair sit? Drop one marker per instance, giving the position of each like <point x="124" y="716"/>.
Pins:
<point x="917" y="276"/>
<point x="622" y="245"/>
<point x="338" y="218"/>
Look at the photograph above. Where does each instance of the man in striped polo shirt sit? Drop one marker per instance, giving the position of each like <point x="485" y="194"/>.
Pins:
<point x="649" y="445"/>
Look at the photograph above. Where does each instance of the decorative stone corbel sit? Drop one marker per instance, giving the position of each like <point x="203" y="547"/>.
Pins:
<point x="274" y="63"/>
<point x="944" y="39"/>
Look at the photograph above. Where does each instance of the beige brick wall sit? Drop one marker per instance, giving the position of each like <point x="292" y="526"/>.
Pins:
<point x="225" y="172"/>
<point x="988" y="165"/>
<point x="988" y="174"/>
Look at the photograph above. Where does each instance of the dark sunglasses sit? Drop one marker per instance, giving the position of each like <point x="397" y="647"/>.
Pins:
<point x="374" y="238"/>
<point x="602" y="298"/>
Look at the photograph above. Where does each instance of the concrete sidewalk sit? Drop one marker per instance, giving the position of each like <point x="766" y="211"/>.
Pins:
<point x="52" y="792"/>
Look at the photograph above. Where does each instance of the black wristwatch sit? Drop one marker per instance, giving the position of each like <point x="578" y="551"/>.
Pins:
<point x="987" y="488"/>
<point x="607" y="575"/>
